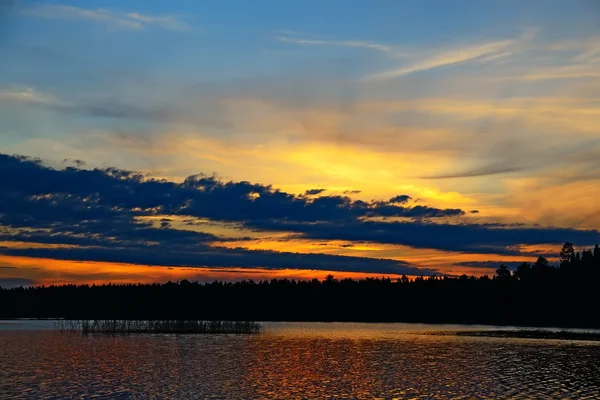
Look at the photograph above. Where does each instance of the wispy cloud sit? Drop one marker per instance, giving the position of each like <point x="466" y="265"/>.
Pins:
<point x="568" y="59"/>
<point x="478" y="172"/>
<point x="590" y="51"/>
<point x="102" y="109"/>
<point x="28" y="95"/>
<point x="583" y="47"/>
<point x="167" y="22"/>
<point x="554" y="73"/>
<point x="344" y="43"/>
<point x="446" y="58"/>
<point x="113" y="19"/>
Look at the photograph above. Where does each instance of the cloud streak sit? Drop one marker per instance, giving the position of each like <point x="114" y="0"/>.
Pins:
<point x="444" y="59"/>
<point x="8" y="283"/>
<point x="478" y="172"/>
<point x="28" y="96"/>
<point x="112" y="19"/>
<point x="474" y="238"/>
<point x="100" y="109"/>
<point x="343" y="43"/>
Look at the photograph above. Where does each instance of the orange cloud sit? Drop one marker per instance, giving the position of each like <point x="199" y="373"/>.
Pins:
<point x="446" y="262"/>
<point x="46" y="271"/>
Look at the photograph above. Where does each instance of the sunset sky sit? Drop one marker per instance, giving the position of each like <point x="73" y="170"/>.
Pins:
<point x="167" y="140"/>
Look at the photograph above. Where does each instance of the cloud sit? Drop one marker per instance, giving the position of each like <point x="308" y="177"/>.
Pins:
<point x="344" y="43"/>
<point x="471" y="238"/>
<point x="477" y="172"/>
<point x="391" y="209"/>
<point x="445" y="58"/>
<point x="110" y="108"/>
<point x="167" y="22"/>
<point x="512" y="265"/>
<point x="112" y="19"/>
<point x="400" y="199"/>
<point x="220" y="257"/>
<point x="28" y="96"/>
<point x="8" y="283"/>
<point x="313" y="192"/>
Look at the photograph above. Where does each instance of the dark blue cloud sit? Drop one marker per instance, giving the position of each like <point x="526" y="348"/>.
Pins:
<point x="221" y="257"/>
<point x="474" y="238"/>
<point x="313" y="192"/>
<point x="9" y="283"/>
<point x="29" y="190"/>
<point x="512" y="265"/>
<point x="400" y="199"/>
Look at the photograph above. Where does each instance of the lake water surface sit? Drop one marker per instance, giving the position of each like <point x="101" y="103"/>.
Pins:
<point x="294" y="360"/>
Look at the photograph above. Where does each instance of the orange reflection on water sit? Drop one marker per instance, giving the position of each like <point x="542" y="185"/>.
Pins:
<point x="353" y="360"/>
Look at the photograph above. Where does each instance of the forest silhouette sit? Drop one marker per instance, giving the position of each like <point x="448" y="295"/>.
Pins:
<point x="539" y="294"/>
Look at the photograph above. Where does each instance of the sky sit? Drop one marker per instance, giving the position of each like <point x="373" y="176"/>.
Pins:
<point x="160" y="140"/>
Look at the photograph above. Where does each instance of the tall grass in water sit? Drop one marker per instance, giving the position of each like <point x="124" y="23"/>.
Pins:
<point x="161" y="326"/>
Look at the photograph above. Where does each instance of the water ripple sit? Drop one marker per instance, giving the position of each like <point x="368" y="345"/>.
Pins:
<point x="338" y="361"/>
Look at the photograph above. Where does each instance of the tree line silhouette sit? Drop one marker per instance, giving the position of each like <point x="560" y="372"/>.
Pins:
<point x="538" y="294"/>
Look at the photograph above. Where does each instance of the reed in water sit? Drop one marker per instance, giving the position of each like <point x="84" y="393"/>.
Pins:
<point x="158" y="326"/>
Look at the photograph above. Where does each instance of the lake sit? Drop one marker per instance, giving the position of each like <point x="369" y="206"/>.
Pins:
<point x="295" y="360"/>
